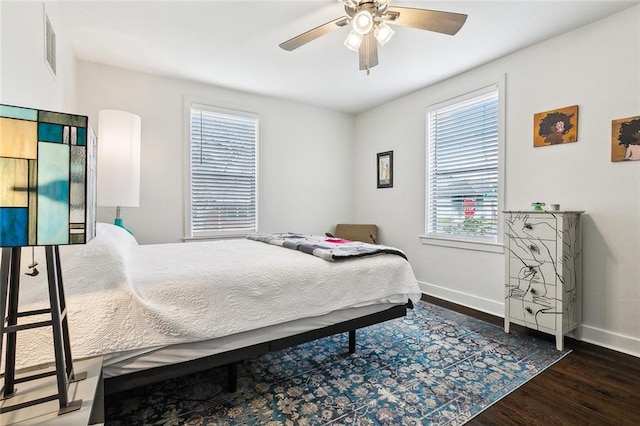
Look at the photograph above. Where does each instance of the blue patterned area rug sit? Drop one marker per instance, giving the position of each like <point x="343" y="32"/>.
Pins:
<point x="433" y="367"/>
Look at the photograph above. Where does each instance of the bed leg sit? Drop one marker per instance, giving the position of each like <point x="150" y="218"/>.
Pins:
<point x="352" y="341"/>
<point x="232" y="377"/>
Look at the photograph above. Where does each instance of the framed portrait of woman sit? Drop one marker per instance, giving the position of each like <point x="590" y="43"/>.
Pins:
<point x="385" y="169"/>
<point x="625" y="139"/>
<point x="555" y="127"/>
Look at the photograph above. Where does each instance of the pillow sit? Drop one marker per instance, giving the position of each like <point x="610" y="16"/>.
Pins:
<point x="99" y="264"/>
<point x="106" y="233"/>
<point x="116" y="234"/>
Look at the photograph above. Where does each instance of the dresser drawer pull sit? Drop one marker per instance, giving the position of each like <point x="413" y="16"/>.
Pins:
<point x="528" y="226"/>
<point x="529" y="310"/>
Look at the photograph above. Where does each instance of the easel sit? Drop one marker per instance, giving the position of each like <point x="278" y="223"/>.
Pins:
<point x="9" y="290"/>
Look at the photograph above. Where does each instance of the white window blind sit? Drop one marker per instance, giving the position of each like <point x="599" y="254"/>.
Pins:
<point x="223" y="164"/>
<point x="462" y="178"/>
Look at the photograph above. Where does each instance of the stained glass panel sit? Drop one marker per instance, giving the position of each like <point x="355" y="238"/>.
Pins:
<point x="13" y="226"/>
<point x="33" y="201"/>
<point x="53" y="194"/>
<point x="77" y="196"/>
<point x="82" y="136"/>
<point x="50" y="132"/>
<point x="61" y="118"/>
<point x="18" y="112"/>
<point x="18" y="138"/>
<point x="14" y="178"/>
<point x="47" y="178"/>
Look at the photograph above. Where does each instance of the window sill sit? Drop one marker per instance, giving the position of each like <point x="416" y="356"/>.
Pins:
<point x="462" y="244"/>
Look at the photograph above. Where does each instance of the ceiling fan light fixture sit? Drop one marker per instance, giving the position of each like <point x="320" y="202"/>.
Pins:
<point x="369" y="21"/>
<point x="353" y="40"/>
<point x="363" y="22"/>
<point x="383" y="33"/>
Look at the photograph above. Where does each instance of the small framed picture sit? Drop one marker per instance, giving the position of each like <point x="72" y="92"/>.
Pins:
<point x="625" y="139"/>
<point x="555" y="127"/>
<point x="385" y="169"/>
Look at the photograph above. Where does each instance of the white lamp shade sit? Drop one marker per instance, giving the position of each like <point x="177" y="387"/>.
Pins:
<point x="383" y="33"/>
<point x="118" y="159"/>
<point x="363" y="22"/>
<point x="353" y="40"/>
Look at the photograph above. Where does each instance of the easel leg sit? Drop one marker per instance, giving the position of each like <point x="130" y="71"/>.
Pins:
<point x="61" y="346"/>
<point x="10" y="282"/>
<point x="73" y="377"/>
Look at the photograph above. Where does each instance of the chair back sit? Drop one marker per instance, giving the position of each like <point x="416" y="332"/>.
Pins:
<point x="367" y="233"/>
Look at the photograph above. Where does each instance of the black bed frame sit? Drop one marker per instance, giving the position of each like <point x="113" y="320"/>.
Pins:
<point x="231" y="358"/>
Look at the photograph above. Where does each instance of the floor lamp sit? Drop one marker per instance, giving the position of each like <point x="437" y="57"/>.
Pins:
<point x="118" y="160"/>
<point x="47" y="198"/>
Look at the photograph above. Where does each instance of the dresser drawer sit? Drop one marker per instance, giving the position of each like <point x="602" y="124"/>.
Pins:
<point x="535" y="292"/>
<point x="533" y="315"/>
<point x="533" y="271"/>
<point x="538" y="250"/>
<point x="537" y="227"/>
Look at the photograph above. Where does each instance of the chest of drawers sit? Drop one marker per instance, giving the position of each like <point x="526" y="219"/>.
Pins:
<point x="543" y="271"/>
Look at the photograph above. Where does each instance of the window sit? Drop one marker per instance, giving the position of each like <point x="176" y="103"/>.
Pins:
<point x="463" y="173"/>
<point x="223" y="172"/>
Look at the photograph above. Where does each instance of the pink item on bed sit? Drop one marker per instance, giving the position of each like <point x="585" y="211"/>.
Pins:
<point x="337" y="240"/>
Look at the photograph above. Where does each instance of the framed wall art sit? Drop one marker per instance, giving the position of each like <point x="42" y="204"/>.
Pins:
<point x="555" y="127"/>
<point x="385" y="169"/>
<point x="625" y="139"/>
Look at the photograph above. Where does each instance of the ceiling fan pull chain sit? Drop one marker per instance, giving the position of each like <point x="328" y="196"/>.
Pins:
<point x="368" y="60"/>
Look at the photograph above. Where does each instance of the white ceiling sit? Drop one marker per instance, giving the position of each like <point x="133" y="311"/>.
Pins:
<point x="235" y="43"/>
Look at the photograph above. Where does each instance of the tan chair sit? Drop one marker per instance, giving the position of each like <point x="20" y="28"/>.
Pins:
<point x="366" y="233"/>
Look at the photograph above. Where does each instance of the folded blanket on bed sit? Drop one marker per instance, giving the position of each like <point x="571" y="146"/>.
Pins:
<point x="331" y="249"/>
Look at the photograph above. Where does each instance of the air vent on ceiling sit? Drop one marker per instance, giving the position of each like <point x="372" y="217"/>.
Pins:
<point x="49" y="44"/>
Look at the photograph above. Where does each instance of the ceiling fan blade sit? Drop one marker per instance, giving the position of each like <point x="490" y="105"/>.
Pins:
<point x="368" y="52"/>
<point x="313" y="34"/>
<point x="424" y="19"/>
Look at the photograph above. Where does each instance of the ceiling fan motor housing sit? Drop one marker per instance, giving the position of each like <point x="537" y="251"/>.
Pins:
<point x="365" y="15"/>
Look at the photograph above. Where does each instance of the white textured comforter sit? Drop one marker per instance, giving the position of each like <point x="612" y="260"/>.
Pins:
<point x="124" y="296"/>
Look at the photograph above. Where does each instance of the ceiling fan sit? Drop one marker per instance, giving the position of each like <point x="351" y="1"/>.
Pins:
<point x="369" y="21"/>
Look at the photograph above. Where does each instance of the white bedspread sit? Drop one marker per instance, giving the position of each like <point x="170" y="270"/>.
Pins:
<point x="124" y="296"/>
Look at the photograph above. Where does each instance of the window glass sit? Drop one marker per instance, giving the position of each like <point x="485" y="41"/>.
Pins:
<point x="223" y="172"/>
<point x="462" y="167"/>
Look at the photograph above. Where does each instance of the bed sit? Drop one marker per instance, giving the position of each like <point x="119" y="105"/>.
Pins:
<point x="164" y="310"/>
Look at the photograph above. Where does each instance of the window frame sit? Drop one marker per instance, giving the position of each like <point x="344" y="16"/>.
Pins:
<point x="468" y="242"/>
<point x="206" y="105"/>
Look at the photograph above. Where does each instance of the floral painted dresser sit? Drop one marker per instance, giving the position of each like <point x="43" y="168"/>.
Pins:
<point x="543" y="271"/>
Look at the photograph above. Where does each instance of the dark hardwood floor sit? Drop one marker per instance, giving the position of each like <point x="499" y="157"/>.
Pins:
<point x="590" y="386"/>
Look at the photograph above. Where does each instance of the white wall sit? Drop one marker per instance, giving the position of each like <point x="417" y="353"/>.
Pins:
<point x="25" y="79"/>
<point x="305" y="153"/>
<point x="596" y="67"/>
